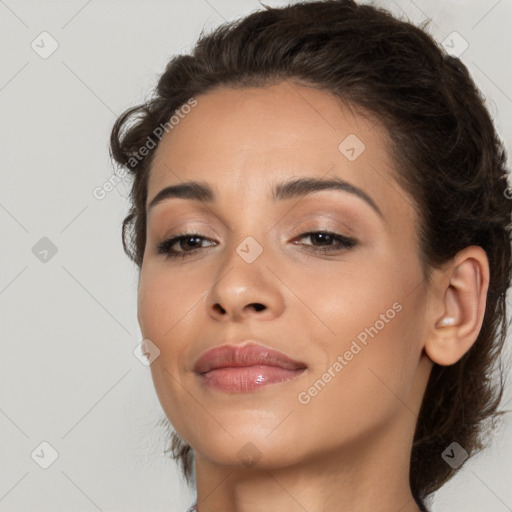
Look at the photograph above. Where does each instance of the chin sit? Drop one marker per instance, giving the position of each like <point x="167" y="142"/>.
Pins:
<point x="251" y="452"/>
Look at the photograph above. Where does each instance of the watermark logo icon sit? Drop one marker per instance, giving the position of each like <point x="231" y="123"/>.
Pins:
<point x="44" y="45"/>
<point x="44" y="455"/>
<point x="454" y="455"/>
<point x="455" y="44"/>
<point x="249" y="455"/>
<point x="249" y="250"/>
<point x="351" y="147"/>
<point x="44" y="250"/>
<point x="146" y="352"/>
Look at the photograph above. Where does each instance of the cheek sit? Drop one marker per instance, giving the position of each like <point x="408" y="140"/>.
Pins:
<point x="368" y="377"/>
<point x="165" y="313"/>
<point x="349" y="300"/>
<point x="369" y="325"/>
<point x="165" y="301"/>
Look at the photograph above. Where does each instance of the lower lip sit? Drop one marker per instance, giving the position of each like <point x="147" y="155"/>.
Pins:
<point x="247" y="378"/>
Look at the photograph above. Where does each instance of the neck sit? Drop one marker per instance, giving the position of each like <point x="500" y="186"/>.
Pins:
<point x="369" y="474"/>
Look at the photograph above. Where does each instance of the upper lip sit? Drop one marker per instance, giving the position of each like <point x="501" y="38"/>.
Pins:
<point x="247" y="354"/>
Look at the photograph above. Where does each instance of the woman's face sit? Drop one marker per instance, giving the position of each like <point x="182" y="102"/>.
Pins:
<point x="252" y="270"/>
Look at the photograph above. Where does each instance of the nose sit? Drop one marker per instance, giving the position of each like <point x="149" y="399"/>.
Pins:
<point x="243" y="290"/>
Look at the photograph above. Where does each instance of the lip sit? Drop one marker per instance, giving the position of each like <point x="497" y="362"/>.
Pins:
<point x="245" y="367"/>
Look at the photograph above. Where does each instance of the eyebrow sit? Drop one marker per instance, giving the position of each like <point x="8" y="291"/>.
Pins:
<point x="296" y="188"/>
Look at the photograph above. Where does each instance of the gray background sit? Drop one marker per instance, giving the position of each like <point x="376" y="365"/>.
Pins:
<point x="68" y="375"/>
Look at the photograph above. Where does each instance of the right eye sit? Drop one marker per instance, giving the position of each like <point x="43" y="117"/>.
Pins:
<point x="189" y="243"/>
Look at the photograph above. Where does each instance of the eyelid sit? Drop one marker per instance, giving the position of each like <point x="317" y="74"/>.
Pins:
<point x="338" y="228"/>
<point x="202" y="229"/>
<point x="312" y="219"/>
<point x="328" y="221"/>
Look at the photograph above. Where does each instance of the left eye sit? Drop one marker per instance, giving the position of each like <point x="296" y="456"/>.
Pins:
<point x="333" y="241"/>
<point x="190" y="243"/>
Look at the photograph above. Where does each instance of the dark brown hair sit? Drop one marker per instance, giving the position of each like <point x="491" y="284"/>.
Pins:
<point x="448" y="158"/>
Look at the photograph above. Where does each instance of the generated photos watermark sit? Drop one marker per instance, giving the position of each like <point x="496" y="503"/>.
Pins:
<point x="100" y="192"/>
<point x="356" y="346"/>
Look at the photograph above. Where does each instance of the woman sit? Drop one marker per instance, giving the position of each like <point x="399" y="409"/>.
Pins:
<point x="320" y="221"/>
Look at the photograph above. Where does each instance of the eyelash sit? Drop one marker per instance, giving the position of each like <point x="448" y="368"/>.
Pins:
<point x="165" y="246"/>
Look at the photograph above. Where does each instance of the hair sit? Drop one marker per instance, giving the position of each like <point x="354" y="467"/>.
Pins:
<point x="447" y="154"/>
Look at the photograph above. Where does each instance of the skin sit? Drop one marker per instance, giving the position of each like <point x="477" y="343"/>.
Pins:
<point x="348" y="448"/>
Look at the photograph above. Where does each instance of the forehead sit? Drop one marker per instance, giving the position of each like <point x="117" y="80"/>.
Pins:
<point x="251" y="138"/>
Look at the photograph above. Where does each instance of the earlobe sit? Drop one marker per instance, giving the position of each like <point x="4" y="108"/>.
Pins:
<point x="462" y="290"/>
<point x="446" y="320"/>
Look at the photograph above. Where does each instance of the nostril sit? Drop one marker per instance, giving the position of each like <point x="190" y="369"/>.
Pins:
<point x="257" y="306"/>
<point x="218" y="307"/>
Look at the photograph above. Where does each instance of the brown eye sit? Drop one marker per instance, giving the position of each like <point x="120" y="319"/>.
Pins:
<point x="324" y="241"/>
<point x="181" y="245"/>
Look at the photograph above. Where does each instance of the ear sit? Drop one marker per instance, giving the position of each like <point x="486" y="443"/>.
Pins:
<point x="458" y="310"/>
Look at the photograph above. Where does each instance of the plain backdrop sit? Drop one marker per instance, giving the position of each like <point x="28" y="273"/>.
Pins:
<point x="68" y="374"/>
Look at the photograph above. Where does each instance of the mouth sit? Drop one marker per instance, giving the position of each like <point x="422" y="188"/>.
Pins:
<point x="248" y="378"/>
<point x="245" y="368"/>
